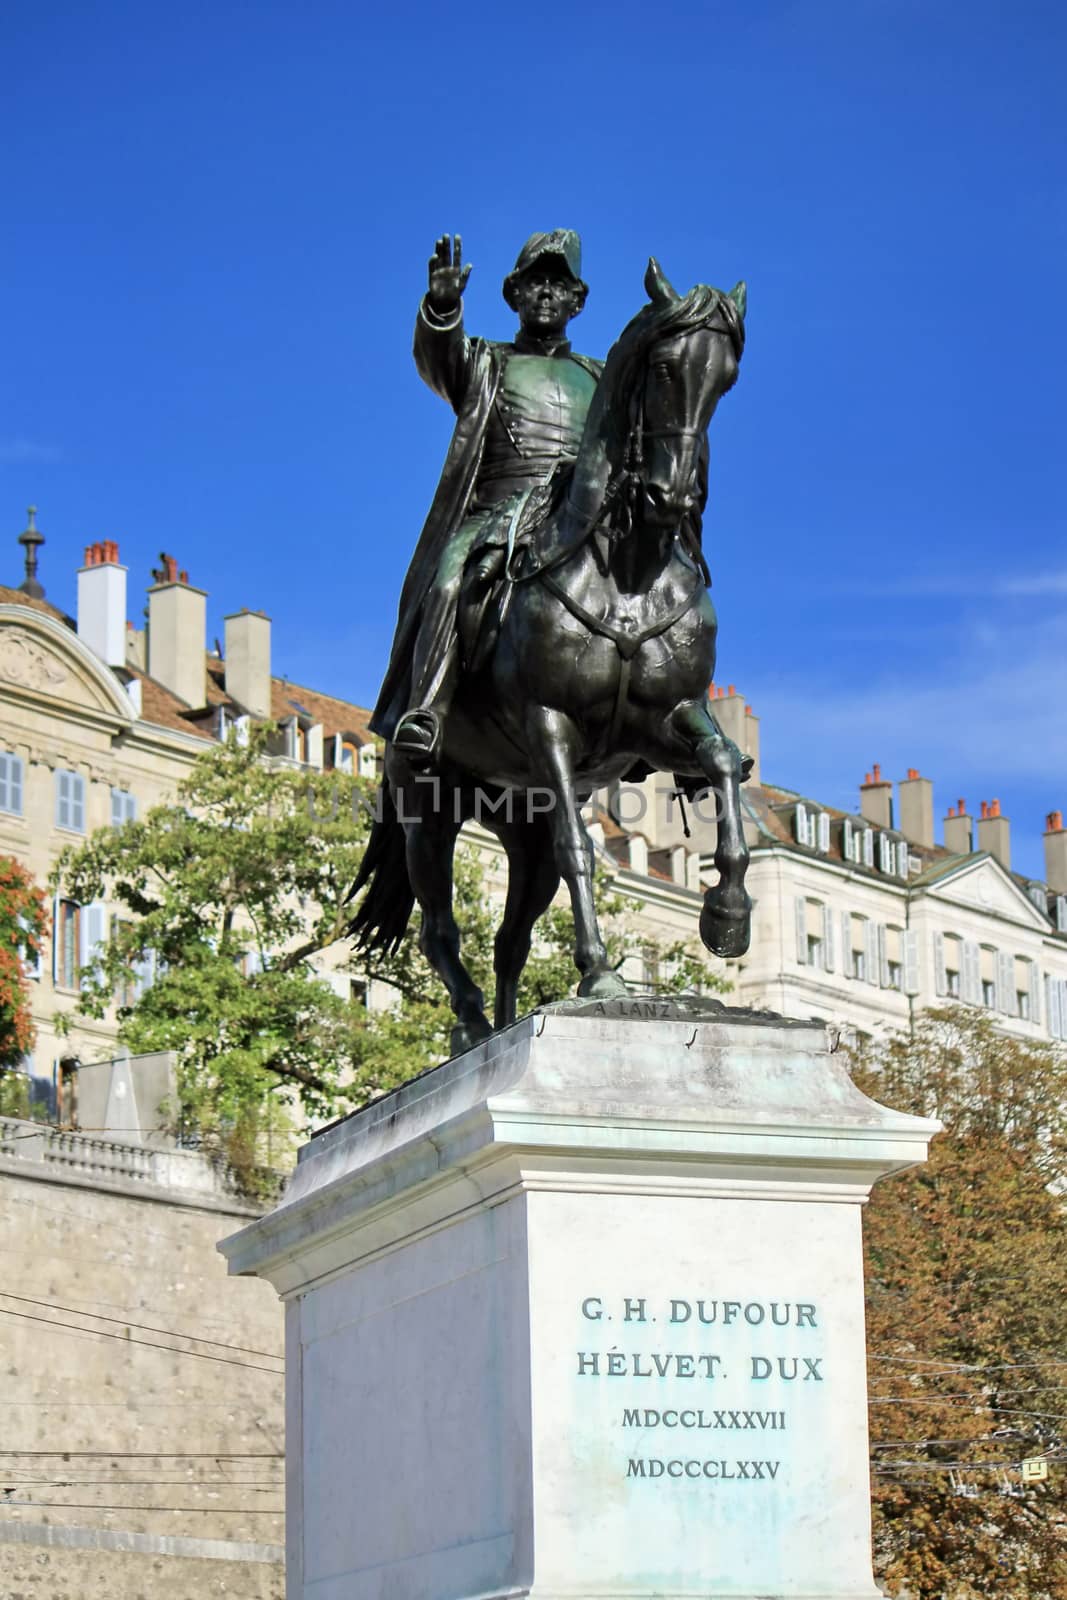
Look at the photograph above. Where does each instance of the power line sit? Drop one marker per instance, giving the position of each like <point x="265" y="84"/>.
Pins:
<point x="122" y="1322"/>
<point x="967" y="1366"/>
<point x="152" y="1344"/>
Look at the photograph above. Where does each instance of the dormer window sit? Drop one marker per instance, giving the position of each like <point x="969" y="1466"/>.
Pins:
<point x="857" y="843"/>
<point x="812" y="827"/>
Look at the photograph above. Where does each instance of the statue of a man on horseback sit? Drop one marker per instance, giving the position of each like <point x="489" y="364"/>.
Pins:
<point x="555" y="629"/>
<point x="521" y="410"/>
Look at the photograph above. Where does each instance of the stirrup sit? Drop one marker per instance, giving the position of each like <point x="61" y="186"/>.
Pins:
<point x="418" y="735"/>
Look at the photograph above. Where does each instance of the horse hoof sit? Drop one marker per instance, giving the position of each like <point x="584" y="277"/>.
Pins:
<point x="725" y="933"/>
<point x="602" y="986"/>
<point x="465" y="1035"/>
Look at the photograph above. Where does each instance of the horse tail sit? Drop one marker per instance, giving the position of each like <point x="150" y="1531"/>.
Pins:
<point x="382" y="919"/>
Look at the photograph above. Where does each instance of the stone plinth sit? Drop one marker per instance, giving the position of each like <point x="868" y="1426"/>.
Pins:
<point x="580" y="1314"/>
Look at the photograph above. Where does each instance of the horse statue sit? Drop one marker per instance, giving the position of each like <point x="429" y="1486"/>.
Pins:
<point x="592" y="665"/>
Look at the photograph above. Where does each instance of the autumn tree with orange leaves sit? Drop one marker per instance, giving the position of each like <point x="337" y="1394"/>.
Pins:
<point x="23" y="927"/>
<point x="966" y="1261"/>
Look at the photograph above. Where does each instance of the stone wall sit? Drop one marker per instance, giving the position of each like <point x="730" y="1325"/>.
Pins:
<point x="142" y="1447"/>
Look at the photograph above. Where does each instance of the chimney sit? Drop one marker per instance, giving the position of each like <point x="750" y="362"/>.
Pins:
<point x="917" y="808"/>
<point x="102" y="603"/>
<point x="876" y="798"/>
<point x="959" y="831"/>
<point x="177" y="630"/>
<point x="1056" y="852"/>
<point x="738" y="722"/>
<point x="994" y="833"/>
<point x="247" y="650"/>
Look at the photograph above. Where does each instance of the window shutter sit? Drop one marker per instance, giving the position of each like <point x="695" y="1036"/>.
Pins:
<point x="1053" y="1006"/>
<point x="1006" y="1000"/>
<point x="336" y="747"/>
<point x="144" y="972"/>
<point x="846" y="943"/>
<point x="883" y="955"/>
<point x="92" y="930"/>
<point x="1061" y="913"/>
<point x="368" y="761"/>
<point x="827" y="936"/>
<point x="824" y="831"/>
<point x="868" y="847"/>
<point x="242" y="729"/>
<point x="801" y="918"/>
<point x="11" y="783"/>
<point x="846" y="839"/>
<point x="911" y="961"/>
<point x="902" y="858"/>
<point x="940" y="969"/>
<point x="971" y="975"/>
<point x="800" y="824"/>
<point x="886" y="853"/>
<point x="123" y="807"/>
<point x="870" y="951"/>
<point x="55" y="939"/>
<point x="62" y="799"/>
<point x="1035" y="991"/>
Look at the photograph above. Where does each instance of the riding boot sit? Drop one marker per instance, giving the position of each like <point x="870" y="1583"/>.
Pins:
<point x="419" y="732"/>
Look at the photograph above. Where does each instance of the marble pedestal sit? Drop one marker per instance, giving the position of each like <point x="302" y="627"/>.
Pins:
<point x="580" y="1314"/>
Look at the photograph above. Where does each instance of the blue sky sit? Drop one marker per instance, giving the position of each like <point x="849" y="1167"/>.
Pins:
<point x="218" y="218"/>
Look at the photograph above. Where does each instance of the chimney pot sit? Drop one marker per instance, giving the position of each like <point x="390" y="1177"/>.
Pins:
<point x="877" y="773"/>
<point x="963" y="807"/>
<point x="730" y="689"/>
<point x="102" y="604"/>
<point x="994" y="833"/>
<point x="913" y="772"/>
<point x="748" y="711"/>
<point x="1056" y="853"/>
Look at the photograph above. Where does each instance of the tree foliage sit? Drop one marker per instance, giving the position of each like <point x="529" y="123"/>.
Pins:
<point x="23" y="928"/>
<point x="231" y="899"/>
<point x="967" y="1317"/>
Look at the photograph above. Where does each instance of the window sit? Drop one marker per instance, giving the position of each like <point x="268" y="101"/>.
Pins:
<point x="66" y="944"/>
<point x="857" y="843"/>
<point x="11" y="783"/>
<point x="123" y="807"/>
<point x="815" y="934"/>
<point x="812" y="828"/>
<point x="70" y="801"/>
<point x="948" y="964"/>
<point x="32" y="963"/>
<point x="1027" y="990"/>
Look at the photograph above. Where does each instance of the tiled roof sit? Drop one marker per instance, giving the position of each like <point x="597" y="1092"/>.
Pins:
<point x="336" y="716"/>
<point x="166" y="710"/>
<point x="17" y="598"/>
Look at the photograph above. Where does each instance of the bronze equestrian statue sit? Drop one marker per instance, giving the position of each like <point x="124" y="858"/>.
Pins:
<point x="555" y="631"/>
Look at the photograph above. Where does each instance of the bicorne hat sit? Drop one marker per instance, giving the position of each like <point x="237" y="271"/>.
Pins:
<point x="563" y="243"/>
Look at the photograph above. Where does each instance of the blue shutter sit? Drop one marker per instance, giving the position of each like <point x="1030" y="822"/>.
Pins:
<point x="11" y="783"/>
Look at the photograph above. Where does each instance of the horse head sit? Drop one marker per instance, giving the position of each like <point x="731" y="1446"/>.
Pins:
<point x="691" y="348"/>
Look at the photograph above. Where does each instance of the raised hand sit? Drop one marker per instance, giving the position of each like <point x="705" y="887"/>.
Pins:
<point x="448" y="275"/>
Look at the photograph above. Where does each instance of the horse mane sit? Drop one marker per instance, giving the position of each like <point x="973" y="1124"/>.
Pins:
<point x="660" y="319"/>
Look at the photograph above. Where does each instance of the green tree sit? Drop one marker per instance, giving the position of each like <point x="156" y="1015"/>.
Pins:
<point x="967" y="1317"/>
<point x="23" y="927"/>
<point x="231" y="896"/>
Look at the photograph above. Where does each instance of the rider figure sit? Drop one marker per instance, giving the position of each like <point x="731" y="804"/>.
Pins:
<point x="520" y="410"/>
